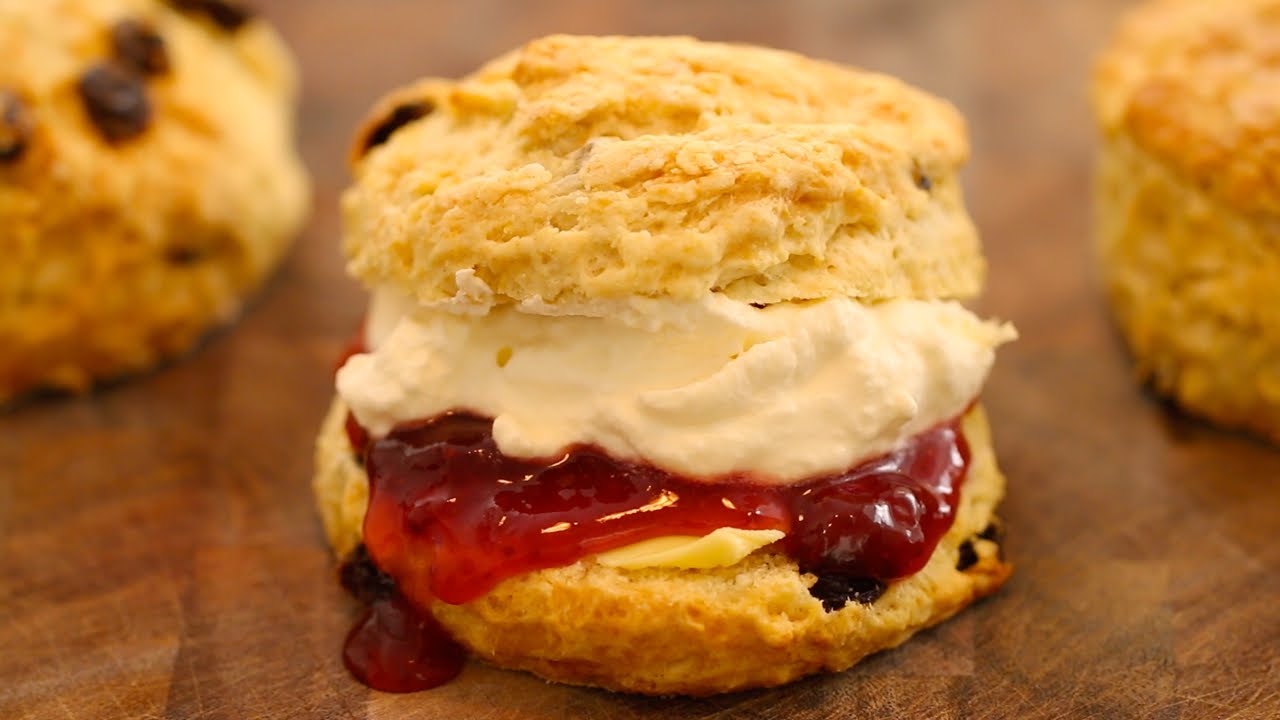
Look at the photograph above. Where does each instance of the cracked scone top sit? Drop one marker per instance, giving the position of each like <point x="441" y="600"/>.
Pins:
<point x="577" y="169"/>
<point x="148" y="180"/>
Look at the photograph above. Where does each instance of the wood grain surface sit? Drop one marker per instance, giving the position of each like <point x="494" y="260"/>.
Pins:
<point x="160" y="558"/>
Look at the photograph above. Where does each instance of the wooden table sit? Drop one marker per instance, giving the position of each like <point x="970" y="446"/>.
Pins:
<point x="160" y="558"/>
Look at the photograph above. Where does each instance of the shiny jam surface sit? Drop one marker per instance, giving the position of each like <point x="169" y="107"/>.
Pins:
<point x="395" y="648"/>
<point x="450" y="516"/>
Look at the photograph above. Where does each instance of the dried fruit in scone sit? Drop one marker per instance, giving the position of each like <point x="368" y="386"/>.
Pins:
<point x="137" y="207"/>
<point x="663" y="387"/>
<point x="1188" y="201"/>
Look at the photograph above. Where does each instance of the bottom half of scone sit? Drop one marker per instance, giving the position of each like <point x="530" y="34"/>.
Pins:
<point x="74" y="318"/>
<point x="673" y="631"/>
<point x="1192" y="284"/>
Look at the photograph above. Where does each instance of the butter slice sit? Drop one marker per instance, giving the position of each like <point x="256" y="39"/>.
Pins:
<point x="721" y="548"/>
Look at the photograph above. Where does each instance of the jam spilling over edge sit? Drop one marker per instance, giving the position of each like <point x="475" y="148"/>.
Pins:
<point x="450" y="516"/>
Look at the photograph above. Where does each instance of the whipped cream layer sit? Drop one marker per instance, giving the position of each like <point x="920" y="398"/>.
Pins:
<point x="704" y="389"/>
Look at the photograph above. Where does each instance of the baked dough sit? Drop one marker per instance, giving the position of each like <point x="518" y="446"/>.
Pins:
<point x="1188" y="203"/>
<point x="138" y="206"/>
<point x="577" y="169"/>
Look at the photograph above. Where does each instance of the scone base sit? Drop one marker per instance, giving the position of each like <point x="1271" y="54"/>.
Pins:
<point x="664" y="631"/>
<point x="1192" y="285"/>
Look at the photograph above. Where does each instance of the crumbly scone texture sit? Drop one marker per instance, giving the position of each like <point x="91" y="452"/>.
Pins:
<point x="1188" y="202"/>
<point x="579" y="168"/>
<point x="695" y="632"/>
<point x="1193" y="83"/>
<point x="1194" y="285"/>
<point x="144" y="190"/>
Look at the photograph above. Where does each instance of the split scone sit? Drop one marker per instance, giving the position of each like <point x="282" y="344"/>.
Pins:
<point x="1188" y="203"/>
<point x="148" y="181"/>
<point x="662" y="387"/>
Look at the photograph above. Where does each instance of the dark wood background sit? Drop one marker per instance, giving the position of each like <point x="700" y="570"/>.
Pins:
<point x="159" y="556"/>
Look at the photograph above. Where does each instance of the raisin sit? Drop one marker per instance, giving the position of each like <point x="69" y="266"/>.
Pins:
<point x="15" y="127"/>
<point x="183" y="256"/>
<point x="363" y="579"/>
<point x="116" y="100"/>
<point x="137" y="45"/>
<point x="923" y="181"/>
<point x="835" y="591"/>
<point x="994" y="532"/>
<point x="401" y="116"/>
<point x="226" y="14"/>
<point x="968" y="556"/>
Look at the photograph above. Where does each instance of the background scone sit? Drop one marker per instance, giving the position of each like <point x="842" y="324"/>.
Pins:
<point x="1189" y="201"/>
<point x="148" y="180"/>
<point x="662" y="387"/>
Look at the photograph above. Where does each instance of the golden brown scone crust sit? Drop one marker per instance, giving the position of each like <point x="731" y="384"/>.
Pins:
<point x="118" y="251"/>
<point x="665" y="631"/>
<point x="580" y="168"/>
<point x="1193" y="84"/>
<point x="1188" y="202"/>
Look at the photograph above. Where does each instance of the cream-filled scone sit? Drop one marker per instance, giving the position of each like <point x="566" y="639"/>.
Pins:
<point x="664" y="386"/>
<point x="148" y="180"/>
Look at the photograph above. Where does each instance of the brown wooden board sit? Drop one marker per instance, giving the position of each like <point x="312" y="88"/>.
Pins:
<point x="160" y="557"/>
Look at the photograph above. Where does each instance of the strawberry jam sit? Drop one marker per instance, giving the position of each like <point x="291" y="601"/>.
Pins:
<point x="396" y="648"/>
<point x="450" y="515"/>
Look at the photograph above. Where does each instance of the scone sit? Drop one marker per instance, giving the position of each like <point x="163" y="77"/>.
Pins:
<point x="148" y="180"/>
<point x="663" y="387"/>
<point x="1188" y="203"/>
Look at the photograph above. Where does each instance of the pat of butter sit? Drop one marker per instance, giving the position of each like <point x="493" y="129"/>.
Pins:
<point x="720" y="548"/>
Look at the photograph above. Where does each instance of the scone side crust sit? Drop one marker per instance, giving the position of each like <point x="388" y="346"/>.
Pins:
<point x="1192" y="285"/>
<point x="1193" y="84"/>
<point x="588" y="624"/>
<point x="121" y="250"/>
<point x="665" y="167"/>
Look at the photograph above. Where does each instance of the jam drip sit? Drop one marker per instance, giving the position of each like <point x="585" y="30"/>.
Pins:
<point x="395" y="648"/>
<point x="450" y="516"/>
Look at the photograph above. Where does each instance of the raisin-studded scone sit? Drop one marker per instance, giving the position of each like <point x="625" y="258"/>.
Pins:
<point x="1188" y="199"/>
<point x="663" y="387"/>
<point x="148" y="180"/>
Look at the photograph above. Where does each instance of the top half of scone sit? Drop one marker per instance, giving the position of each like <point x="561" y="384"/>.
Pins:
<point x="583" y="169"/>
<point x="724" y="261"/>
<point x="136" y="136"/>
<point x="148" y="180"/>
<point x="1193" y="86"/>
<point x="144" y="112"/>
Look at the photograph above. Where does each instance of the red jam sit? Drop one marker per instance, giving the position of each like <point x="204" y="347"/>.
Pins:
<point x="450" y="516"/>
<point x="395" y="648"/>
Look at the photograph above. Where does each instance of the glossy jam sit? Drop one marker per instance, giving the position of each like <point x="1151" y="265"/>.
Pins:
<point x="396" y="648"/>
<point x="883" y="519"/>
<point x="450" y="516"/>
